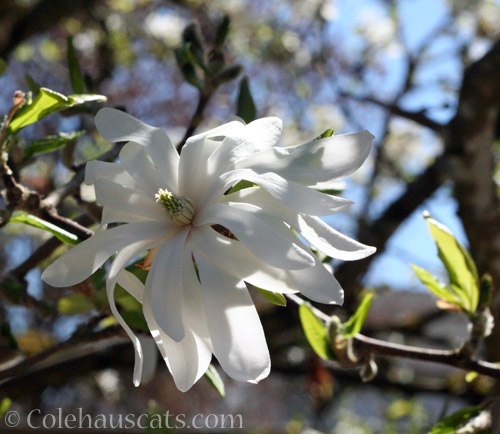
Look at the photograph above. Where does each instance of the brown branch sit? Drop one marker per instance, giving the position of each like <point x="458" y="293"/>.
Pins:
<point x="446" y="357"/>
<point x="203" y="100"/>
<point x="416" y="116"/>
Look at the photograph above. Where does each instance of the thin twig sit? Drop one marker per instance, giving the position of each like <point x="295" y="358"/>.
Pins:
<point x="453" y="358"/>
<point x="203" y="99"/>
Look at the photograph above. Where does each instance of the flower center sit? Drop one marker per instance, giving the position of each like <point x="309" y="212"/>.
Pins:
<point x="180" y="209"/>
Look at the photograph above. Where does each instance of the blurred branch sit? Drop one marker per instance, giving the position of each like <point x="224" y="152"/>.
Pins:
<point x="416" y="116"/>
<point x="203" y="100"/>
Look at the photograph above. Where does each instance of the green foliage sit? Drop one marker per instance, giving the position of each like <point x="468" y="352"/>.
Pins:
<point x="435" y="286"/>
<point x="450" y="424"/>
<point x="135" y="319"/>
<point x="7" y="336"/>
<point x="215" y="380"/>
<point x="463" y="289"/>
<point x="222" y="32"/>
<point x="246" y="109"/>
<point x="274" y="297"/>
<point x="33" y="86"/>
<point x="31" y="220"/>
<point x="75" y="73"/>
<point x="327" y="133"/>
<point x="46" y="103"/>
<point x="354" y="324"/>
<point x="241" y="185"/>
<point x="3" y="66"/>
<point x="74" y="304"/>
<point x="157" y="422"/>
<point x="316" y="333"/>
<point x="4" y="406"/>
<point x="51" y="143"/>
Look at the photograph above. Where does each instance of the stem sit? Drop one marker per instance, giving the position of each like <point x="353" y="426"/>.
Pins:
<point x="454" y="358"/>
<point x="204" y="98"/>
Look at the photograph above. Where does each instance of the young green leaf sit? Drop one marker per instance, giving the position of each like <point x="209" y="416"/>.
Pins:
<point x="452" y="423"/>
<point x="51" y="143"/>
<point x="274" y="297"/>
<point x="31" y="220"/>
<point x="4" y="406"/>
<point x="354" y="324"/>
<point x="327" y="133"/>
<point x="246" y="109"/>
<point x="460" y="266"/>
<point x="46" y="103"/>
<point x="241" y="185"/>
<point x="316" y="333"/>
<point x="215" y="380"/>
<point x="435" y="286"/>
<point x="74" y="304"/>
<point x="33" y="86"/>
<point x="75" y="73"/>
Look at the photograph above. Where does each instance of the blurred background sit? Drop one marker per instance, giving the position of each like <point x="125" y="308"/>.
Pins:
<point x="415" y="73"/>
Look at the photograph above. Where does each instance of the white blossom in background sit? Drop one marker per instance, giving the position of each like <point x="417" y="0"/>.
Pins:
<point x="176" y="208"/>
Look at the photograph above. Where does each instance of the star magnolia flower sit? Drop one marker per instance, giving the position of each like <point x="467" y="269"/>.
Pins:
<point x="176" y="208"/>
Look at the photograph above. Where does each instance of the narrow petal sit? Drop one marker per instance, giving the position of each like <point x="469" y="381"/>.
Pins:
<point x="117" y="126"/>
<point x="331" y="242"/>
<point x="233" y="257"/>
<point x="164" y="286"/>
<point x="113" y="216"/>
<point x="235" y="329"/>
<point x="84" y="259"/>
<point x="192" y="166"/>
<point x="244" y="142"/>
<point x="317" y="161"/>
<point x="135" y="159"/>
<point x="271" y="243"/>
<point x="318" y="284"/>
<point x="292" y="194"/>
<point x="188" y="359"/>
<point x="132" y="284"/>
<point x="115" y="172"/>
<point x="112" y="195"/>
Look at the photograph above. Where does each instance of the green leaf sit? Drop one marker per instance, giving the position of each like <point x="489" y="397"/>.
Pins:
<point x="4" y="406"/>
<point x="74" y="304"/>
<point x="51" y="143"/>
<point x="31" y="220"/>
<point x="125" y="300"/>
<point x="316" y="333"/>
<point x="75" y="73"/>
<point x="32" y="84"/>
<point x="274" y="297"/>
<point x="46" y="103"/>
<point x="327" y="133"/>
<point x="3" y="66"/>
<point x="215" y="380"/>
<point x="222" y="31"/>
<point x="450" y="424"/>
<point x="460" y="266"/>
<point x="241" y="185"/>
<point x="135" y="319"/>
<point x="354" y="324"/>
<point x="246" y="109"/>
<point x="158" y="420"/>
<point x="435" y="286"/>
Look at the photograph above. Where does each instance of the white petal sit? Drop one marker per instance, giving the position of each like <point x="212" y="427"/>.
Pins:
<point x="84" y="259"/>
<point x="114" y="216"/>
<point x="96" y="169"/>
<point x="318" y="284"/>
<point x="331" y="242"/>
<point x="243" y="142"/>
<point x="125" y="200"/>
<point x="117" y="126"/>
<point x="135" y="159"/>
<point x="188" y="359"/>
<point x="164" y="286"/>
<point x="292" y="194"/>
<point x="317" y="161"/>
<point x="132" y="284"/>
<point x="233" y="257"/>
<point x="150" y="359"/>
<point x="268" y="243"/>
<point x="192" y="166"/>
<point x="235" y="329"/>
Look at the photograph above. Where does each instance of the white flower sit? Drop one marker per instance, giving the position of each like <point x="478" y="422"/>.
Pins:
<point x="176" y="208"/>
